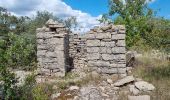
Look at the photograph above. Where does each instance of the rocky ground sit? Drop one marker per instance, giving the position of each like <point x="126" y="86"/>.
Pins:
<point x="108" y="88"/>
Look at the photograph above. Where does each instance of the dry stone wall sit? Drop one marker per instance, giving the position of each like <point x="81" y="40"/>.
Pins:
<point x="77" y="51"/>
<point x="106" y="49"/>
<point x="101" y="49"/>
<point x="52" y="49"/>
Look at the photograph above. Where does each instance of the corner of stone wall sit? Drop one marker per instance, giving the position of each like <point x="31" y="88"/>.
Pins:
<point x="52" y="49"/>
<point x="106" y="49"/>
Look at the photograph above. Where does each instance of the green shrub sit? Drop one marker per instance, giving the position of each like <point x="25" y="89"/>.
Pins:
<point x="21" y="51"/>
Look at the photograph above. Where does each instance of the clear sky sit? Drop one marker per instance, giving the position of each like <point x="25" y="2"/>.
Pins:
<point x="87" y="12"/>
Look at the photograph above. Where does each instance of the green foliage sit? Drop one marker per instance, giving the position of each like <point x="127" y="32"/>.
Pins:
<point x="21" y="51"/>
<point x="25" y="91"/>
<point x="134" y="14"/>
<point x="42" y="92"/>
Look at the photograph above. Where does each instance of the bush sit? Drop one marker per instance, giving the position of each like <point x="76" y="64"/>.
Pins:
<point x="21" y="51"/>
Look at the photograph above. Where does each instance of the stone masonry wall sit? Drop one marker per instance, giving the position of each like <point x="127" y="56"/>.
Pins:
<point x="77" y="51"/>
<point x="101" y="49"/>
<point x="106" y="49"/>
<point x="52" y="49"/>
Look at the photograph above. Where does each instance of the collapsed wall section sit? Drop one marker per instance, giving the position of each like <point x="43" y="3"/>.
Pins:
<point x="106" y="49"/>
<point x="52" y="49"/>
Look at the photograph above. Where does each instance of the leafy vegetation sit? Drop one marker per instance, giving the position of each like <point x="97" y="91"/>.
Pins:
<point x="143" y="28"/>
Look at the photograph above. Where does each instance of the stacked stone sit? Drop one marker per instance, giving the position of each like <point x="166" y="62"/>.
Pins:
<point x="78" y="51"/>
<point x="106" y="49"/>
<point x="52" y="45"/>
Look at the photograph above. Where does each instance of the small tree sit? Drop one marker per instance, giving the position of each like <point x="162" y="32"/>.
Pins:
<point x="134" y="14"/>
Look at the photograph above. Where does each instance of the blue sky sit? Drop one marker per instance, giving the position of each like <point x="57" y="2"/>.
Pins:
<point x="97" y="7"/>
<point x="87" y="12"/>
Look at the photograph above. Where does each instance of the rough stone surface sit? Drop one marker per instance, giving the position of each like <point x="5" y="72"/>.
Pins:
<point x="59" y="50"/>
<point x="125" y="80"/>
<point x="133" y="89"/>
<point x="144" y="86"/>
<point x="74" y="88"/>
<point x="141" y="97"/>
<point x="90" y="93"/>
<point x="52" y="53"/>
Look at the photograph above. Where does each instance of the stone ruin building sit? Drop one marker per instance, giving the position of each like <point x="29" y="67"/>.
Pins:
<point x="102" y="49"/>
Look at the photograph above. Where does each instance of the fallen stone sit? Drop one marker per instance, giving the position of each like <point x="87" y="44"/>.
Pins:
<point x="55" y="96"/>
<point x="90" y="93"/>
<point x="124" y="81"/>
<point x="133" y="89"/>
<point x="141" y="97"/>
<point x="74" y="88"/>
<point x="109" y="81"/>
<point x="144" y="86"/>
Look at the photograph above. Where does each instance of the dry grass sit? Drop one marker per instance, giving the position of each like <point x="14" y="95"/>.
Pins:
<point x="157" y="72"/>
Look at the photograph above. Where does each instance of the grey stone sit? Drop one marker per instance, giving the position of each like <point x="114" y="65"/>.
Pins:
<point x="141" y="97"/>
<point x="107" y="70"/>
<point x="107" y="57"/>
<point x="41" y="53"/>
<point x="118" y="50"/>
<point x="99" y="63"/>
<point x="144" y="86"/>
<point x="74" y="88"/>
<point x="103" y="36"/>
<point x="120" y="57"/>
<point x="124" y="81"/>
<point x="121" y="43"/>
<point x="118" y="36"/>
<point x="108" y="44"/>
<point x="55" y="96"/>
<point x="133" y="89"/>
<point x="110" y="81"/>
<point x="105" y="50"/>
<point x="93" y="42"/>
<point x="90" y="93"/>
<point x="93" y="56"/>
<point x="90" y="36"/>
<point x="92" y="49"/>
<point x="107" y="27"/>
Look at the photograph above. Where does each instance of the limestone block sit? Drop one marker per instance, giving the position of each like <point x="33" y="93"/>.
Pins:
<point x="49" y="60"/>
<point x="93" y="42"/>
<point x="99" y="63"/>
<point x="103" y="35"/>
<point x="57" y="41"/>
<point x="59" y="48"/>
<point x="107" y="57"/>
<point x="107" y="27"/>
<point x="90" y="36"/>
<point x="105" y="50"/>
<point x="124" y="81"/>
<point x="120" y="43"/>
<point x="120" y="57"/>
<point x="41" y="53"/>
<point x="51" y="54"/>
<point x="106" y="70"/>
<point x="93" y="56"/>
<point x="114" y="65"/>
<point x="41" y="47"/>
<point x="108" y="44"/>
<point x="118" y="50"/>
<point x="93" y="49"/>
<point x="118" y="36"/>
<point x="40" y="41"/>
